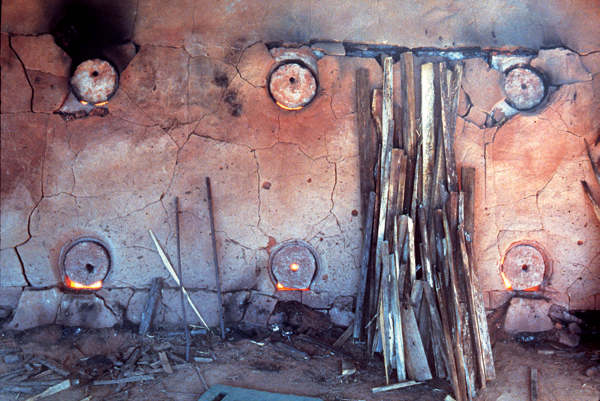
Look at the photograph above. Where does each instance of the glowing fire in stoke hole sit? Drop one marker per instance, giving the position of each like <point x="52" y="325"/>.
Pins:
<point x="294" y="267"/>
<point x="78" y="286"/>
<point x="508" y="285"/>
<point x="288" y="108"/>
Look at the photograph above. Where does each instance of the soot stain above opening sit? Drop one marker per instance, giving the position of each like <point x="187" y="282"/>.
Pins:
<point x="87" y="30"/>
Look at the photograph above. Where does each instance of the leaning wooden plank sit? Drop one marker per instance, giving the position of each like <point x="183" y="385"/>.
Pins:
<point x="417" y="367"/>
<point x="364" y="266"/>
<point x="53" y="390"/>
<point x="174" y="275"/>
<point x="426" y="258"/>
<point x="457" y="379"/>
<point x="409" y="121"/>
<point x="594" y="165"/>
<point x="417" y="195"/>
<point x="453" y="309"/>
<point x="395" y="309"/>
<point x="401" y="185"/>
<point x="129" y="379"/>
<point x="476" y="330"/>
<point x="450" y="91"/>
<point x="395" y="386"/>
<point x="588" y="192"/>
<point x="467" y="217"/>
<point x="412" y="253"/>
<point x="427" y="131"/>
<point x="467" y="180"/>
<point x="344" y="337"/>
<point x="151" y="304"/>
<point x="367" y="143"/>
<point x="439" y="349"/>
<point x="392" y="206"/>
<point x="384" y="326"/>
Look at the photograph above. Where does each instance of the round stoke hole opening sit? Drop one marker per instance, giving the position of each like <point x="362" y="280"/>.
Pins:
<point x="292" y="84"/>
<point x="94" y="81"/>
<point x="525" y="265"/>
<point x="293" y="265"/>
<point x="85" y="261"/>
<point x="525" y="87"/>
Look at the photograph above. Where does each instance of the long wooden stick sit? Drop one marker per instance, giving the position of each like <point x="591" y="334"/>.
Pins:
<point x="167" y="264"/>
<point x="216" y="259"/>
<point x="588" y="192"/>
<point x="364" y="266"/>
<point x="395" y="386"/>
<point x="185" y="325"/>
<point x="594" y="166"/>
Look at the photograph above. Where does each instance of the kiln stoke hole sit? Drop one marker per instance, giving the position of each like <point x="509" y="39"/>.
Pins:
<point x="84" y="263"/>
<point x="524" y="267"/>
<point x="525" y="87"/>
<point x="94" y="82"/>
<point x="292" y="85"/>
<point x="293" y="266"/>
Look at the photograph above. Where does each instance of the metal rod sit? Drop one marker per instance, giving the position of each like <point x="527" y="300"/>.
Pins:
<point x="214" y="244"/>
<point x="187" y="333"/>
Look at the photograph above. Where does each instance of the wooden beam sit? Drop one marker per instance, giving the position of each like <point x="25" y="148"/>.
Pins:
<point x="151" y="305"/>
<point x="409" y="122"/>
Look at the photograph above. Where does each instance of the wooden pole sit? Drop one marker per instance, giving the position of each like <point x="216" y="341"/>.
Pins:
<point x="215" y="258"/>
<point x="185" y="326"/>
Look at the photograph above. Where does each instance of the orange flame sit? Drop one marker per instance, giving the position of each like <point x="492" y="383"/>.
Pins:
<point x="101" y="103"/>
<point x="281" y="287"/>
<point x="506" y="282"/>
<point x="536" y="288"/>
<point x="288" y="108"/>
<point x="72" y="284"/>
<point x="83" y="102"/>
<point x="294" y="266"/>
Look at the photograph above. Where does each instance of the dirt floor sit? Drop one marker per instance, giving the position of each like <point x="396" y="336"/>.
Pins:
<point x="262" y="364"/>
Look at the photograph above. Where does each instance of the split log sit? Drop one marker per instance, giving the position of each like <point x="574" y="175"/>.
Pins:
<point x="151" y="305"/>
<point x="344" y="337"/>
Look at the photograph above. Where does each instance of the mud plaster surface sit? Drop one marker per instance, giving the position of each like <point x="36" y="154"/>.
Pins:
<point x="192" y="104"/>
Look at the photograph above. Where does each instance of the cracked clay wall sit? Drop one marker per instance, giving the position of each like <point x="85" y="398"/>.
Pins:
<point x="192" y="103"/>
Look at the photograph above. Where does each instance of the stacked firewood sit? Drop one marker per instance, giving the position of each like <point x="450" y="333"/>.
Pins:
<point x="419" y="303"/>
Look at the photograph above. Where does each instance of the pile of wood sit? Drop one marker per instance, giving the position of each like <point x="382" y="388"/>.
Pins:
<point x="419" y="302"/>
